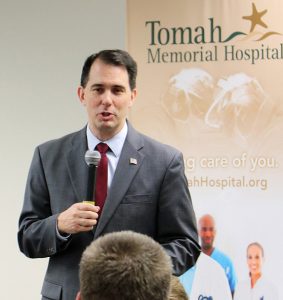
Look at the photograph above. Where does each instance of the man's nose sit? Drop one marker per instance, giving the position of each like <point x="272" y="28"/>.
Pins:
<point x="107" y="97"/>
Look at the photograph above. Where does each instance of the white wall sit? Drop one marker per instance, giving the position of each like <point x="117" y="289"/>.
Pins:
<point x="43" y="47"/>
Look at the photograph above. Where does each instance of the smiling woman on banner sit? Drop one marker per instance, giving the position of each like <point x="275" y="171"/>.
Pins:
<point x="257" y="286"/>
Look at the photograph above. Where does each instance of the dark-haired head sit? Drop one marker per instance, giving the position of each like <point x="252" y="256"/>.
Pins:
<point x="112" y="57"/>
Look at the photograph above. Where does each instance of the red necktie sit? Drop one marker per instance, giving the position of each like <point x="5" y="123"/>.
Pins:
<point x="101" y="176"/>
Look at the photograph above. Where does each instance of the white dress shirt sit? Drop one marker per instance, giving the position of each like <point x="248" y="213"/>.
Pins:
<point x="115" y="143"/>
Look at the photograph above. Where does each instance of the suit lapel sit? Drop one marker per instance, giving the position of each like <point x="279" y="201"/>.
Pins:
<point x="76" y="165"/>
<point x="128" y="165"/>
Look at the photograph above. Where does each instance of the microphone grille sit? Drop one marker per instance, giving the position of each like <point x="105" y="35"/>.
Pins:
<point x="92" y="157"/>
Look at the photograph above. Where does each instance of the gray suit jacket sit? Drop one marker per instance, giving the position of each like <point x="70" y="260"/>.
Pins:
<point x="150" y="197"/>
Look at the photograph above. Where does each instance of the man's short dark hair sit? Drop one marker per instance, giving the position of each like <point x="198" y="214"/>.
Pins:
<point x="112" y="57"/>
<point x="125" y="265"/>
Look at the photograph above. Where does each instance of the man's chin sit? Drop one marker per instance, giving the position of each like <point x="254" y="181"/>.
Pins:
<point x="207" y="247"/>
<point x="109" y="129"/>
<point x="106" y="126"/>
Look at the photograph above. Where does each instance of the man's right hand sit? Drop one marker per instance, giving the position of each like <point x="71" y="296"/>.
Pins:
<point x="79" y="217"/>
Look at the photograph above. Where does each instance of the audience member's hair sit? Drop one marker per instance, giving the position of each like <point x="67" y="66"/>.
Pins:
<point x="177" y="290"/>
<point x="125" y="265"/>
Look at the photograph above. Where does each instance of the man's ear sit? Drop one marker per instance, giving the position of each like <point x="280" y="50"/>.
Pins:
<point x="81" y="94"/>
<point x="133" y="97"/>
<point x="78" y="297"/>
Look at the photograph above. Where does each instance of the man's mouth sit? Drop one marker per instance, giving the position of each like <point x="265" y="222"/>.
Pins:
<point x="106" y="114"/>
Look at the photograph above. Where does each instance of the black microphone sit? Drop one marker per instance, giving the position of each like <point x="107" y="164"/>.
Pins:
<point x="92" y="159"/>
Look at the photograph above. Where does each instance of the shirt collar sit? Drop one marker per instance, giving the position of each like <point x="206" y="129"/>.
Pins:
<point x="115" y="143"/>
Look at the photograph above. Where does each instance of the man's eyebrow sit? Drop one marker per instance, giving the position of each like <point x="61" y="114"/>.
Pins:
<point x="119" y="86"/>
<point x="96" y="85"/>
<point x="112" y="86"/>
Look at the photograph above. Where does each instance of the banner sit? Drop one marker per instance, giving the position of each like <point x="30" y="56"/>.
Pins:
<point x="210" y="83"/>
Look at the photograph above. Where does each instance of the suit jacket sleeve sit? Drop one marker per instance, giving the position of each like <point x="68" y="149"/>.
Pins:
<point x="37" y="225"/>
<point x="177" y="230"/>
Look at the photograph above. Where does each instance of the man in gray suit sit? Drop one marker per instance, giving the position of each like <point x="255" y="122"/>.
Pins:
<point x="147" y="187"/>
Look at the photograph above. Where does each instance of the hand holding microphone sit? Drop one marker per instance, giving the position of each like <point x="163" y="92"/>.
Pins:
<point x="82" y="217"/>
<point x="79" y="217"/>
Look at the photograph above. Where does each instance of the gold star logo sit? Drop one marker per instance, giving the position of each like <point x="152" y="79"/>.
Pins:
<point x="255" y="18"/>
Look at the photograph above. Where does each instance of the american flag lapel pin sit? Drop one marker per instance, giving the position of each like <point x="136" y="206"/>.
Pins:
<point x="133" y="161"/>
